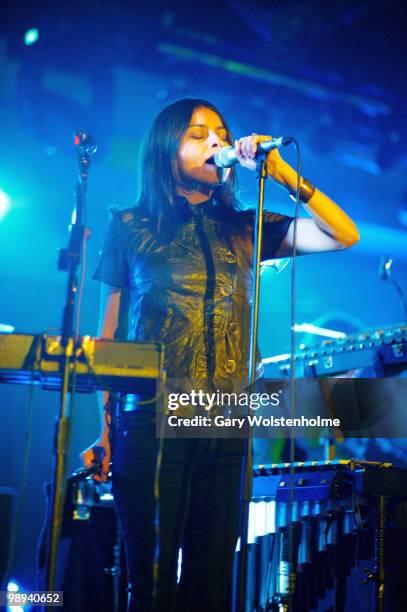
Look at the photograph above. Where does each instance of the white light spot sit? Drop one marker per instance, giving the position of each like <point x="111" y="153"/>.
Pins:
<point x="31" y="36"/>
<point x="4" y="204"/>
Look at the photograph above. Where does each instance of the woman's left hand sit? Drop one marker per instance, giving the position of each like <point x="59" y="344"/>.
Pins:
<point x="246" y="149"/>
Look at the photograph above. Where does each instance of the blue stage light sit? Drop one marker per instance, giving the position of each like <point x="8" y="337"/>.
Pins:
<point x="31" y="36"/>
<point x="179" y="568"/>
<point x="4" y="204"/>
<point x="14" y="587"/>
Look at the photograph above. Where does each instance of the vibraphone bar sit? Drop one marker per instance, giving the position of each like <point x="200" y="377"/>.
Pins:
<point x="314" y="527"/>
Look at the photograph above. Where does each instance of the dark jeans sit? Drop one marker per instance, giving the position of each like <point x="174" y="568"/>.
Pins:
<point x="196" y="508"/>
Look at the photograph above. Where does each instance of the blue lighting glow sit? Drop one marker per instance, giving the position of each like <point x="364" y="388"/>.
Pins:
<point x="4" y="204"/>
<point x="403" y="216"/>
<point x="31" y="36"/>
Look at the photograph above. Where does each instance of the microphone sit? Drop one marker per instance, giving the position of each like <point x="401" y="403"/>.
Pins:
<point x="386" y="275"/>
<point x="84" y="142"/>
<point x="226" y="157"/>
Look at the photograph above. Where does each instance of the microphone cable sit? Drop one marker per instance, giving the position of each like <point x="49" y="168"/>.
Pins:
<point x="291" y="580"/>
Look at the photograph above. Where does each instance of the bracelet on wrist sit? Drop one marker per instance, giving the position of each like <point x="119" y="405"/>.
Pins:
<point x="307" y="190"/>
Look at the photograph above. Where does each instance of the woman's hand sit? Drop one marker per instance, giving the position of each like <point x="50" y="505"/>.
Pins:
<point x="98" y="455"/>
<point x="246" y="149"/>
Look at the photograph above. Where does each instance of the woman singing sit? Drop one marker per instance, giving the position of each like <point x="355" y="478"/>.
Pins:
<point x="183" y="256"/>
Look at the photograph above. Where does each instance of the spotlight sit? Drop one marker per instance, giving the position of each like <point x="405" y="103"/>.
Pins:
<point x="31" y="36"/>
<point x="12" y="587"/>
<point x="4" y="204"/>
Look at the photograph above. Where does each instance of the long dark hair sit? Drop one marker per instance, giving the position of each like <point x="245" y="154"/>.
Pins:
<point x="158" y="163"/>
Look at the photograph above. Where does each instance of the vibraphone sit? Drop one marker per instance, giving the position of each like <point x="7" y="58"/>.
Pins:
<point x="317" y="530"/>
<point x="312" y="524"/>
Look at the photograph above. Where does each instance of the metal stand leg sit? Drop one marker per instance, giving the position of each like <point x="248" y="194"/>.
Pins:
<point x="379" y="554"/>
<point x="116" y="570"/>
<point x="378" y="575"/>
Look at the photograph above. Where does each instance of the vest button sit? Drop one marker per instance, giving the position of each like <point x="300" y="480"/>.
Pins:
<point x="230" y="257"/>
<point x="230" y="366"/>
<point x="227" y="255"/>
<point x="226" y="290"/>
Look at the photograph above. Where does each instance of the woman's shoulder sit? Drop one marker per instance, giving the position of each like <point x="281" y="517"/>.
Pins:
<point x="127" y="222"/>
<point x="126" y="216"/>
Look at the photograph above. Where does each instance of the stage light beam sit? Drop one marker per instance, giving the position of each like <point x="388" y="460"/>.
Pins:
<point x="309" y="328"/>
<point x="31" y="36"/>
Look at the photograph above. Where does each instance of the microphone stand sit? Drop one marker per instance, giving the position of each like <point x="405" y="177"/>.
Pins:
<point x="69" y="260"/>
<point x="246" y="485"/>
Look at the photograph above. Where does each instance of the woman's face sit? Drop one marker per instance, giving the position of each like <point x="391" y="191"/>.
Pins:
<point x="205" y="135"/>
